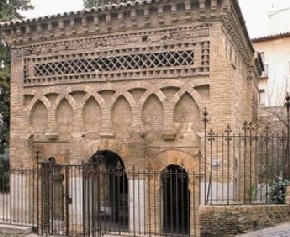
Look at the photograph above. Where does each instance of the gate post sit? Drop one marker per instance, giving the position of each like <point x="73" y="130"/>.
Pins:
<point x="137" y="191"/>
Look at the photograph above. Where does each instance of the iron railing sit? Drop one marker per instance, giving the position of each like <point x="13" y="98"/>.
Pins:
<point x="101" y="197"/>
<point x="17" y="197"/>
<point x="242" y="168"/>
<point x="85" y="200"/>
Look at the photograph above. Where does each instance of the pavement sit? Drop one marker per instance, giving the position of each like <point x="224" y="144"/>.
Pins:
<point x="282" y="230"/>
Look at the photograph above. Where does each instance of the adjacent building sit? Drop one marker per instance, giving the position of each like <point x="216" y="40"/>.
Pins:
<point x="275" y="51"/>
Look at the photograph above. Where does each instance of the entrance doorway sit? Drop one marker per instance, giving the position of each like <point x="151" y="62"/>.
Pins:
<point x="176" y="199"/>
<point x="110" y="188"/>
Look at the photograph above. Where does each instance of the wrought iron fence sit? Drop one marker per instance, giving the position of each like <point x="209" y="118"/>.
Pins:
<point x="99" y="198"/>
<point x="17" y="197"/>
<point x="243" y="168"/>
<point x="88" y="200"/>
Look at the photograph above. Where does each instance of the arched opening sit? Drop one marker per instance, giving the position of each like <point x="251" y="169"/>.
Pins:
<point x="176" y="199"/>
<point x="110" y="188"/>
<point x="39" y="117"/>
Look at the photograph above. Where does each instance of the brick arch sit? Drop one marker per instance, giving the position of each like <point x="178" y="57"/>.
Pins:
<point x="173" y="156"/>
<point x="116" y="146"/>
<point x="31" y="111"/>
<point x="99" y="99"/>
<point x="42" y="99"/>
<point x="64" y="118"/>
<point x="67" y="97"/>
<point x="160" y="95"/>
<point x="126" y="95"/>
<point x="50" y="90"/>
<point x="192" y="92"/>
<point x="176" y="83"/>
<point x="152" y="114"/>
<point x="121" y="124"/>
<point x="138" y="85"/>
<point x="91" y="114"/>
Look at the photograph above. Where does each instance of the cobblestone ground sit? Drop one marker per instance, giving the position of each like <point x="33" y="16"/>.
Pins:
<point x="277" y="231"/>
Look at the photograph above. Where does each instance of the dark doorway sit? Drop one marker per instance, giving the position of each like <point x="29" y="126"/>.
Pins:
<point x="111" y="188"/>
<point x="176" y="199"/>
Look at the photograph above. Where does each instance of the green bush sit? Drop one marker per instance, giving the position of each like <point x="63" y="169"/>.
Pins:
<point x="4" y="172"/>
<point x="277" y="191"/>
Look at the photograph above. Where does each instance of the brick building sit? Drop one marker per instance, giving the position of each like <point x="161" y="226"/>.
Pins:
<point x="129" y="82"/>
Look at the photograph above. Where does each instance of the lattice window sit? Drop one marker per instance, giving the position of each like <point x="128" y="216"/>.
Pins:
<point x="126" y="62"/>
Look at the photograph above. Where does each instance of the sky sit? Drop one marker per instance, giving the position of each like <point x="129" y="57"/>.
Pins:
<point x="255" y="11"/>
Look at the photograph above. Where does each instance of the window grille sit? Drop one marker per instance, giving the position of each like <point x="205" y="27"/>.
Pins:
<point x="125" y="62"/>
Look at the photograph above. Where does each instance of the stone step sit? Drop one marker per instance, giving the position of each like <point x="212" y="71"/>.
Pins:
<point x="14" y="230"/>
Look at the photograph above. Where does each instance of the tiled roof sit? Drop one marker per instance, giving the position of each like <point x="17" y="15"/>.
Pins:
<point x="271" y="37"/>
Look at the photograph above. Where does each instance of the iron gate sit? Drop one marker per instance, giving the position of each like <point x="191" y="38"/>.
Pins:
<point x="54" y="198"/>
<point x="93" y="200"/>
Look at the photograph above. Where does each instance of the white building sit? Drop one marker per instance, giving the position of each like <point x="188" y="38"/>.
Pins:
<point x="275" y="51"/>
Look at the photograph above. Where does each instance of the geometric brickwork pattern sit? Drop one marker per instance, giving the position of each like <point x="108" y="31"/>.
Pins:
<point x="144" y="62"/>
<point x="126" y="62"/>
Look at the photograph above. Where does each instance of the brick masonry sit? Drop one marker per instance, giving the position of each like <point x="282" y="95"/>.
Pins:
<point x="133" y="84"/>
<point x="231" y="220"/>
<point x="133" y="79"/>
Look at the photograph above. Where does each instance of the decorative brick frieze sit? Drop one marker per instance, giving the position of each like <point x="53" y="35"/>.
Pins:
<point x="159" y="57"/>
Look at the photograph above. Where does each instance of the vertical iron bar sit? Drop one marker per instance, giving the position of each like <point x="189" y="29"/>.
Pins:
<point x="95" y="172"/>
<point x="170" y="199"/>
<point x="209" y="188"/>
<point x="84" y="178"/>
<point x="67" y="172"/>
<point x="267" y="160"/>
<point x="182" y="192"/>
<point x="223" y="163"/>
<point x="245" y="127"/>
<point x="234" y="167"/>
<point x="154" y="203"/>
<point x="149" y="204"/>
<point x="139" y="202"/>
<point x="217" y="170"/>
<point x="228" y="131"/>
<point x="37" y="192"/>
<point x="239" y="183"/>
<point x="51" y="203"/>
<point x="199" y="175"/>
<point x="205" y="120"/>
<point x="251" y="144"/>
<point x="287" y="165"/>
<point x="134" y="203"/>
<point x="177" y="193"/>
<point x="256" y="165"/>
<point x="144" y="200"/>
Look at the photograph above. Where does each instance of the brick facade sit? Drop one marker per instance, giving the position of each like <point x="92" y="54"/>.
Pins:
<point x="132" y="78"/>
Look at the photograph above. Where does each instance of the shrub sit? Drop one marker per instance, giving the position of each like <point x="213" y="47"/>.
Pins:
<point x="4" y="171"/>
<point x="277" y="191"/>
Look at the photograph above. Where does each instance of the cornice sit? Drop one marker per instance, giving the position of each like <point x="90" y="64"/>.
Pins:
<point x="235" y="27"/>
<point x="113" y="18"/>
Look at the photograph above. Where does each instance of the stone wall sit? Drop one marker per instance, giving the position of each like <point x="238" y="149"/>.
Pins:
<point x="231" y="220"/>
